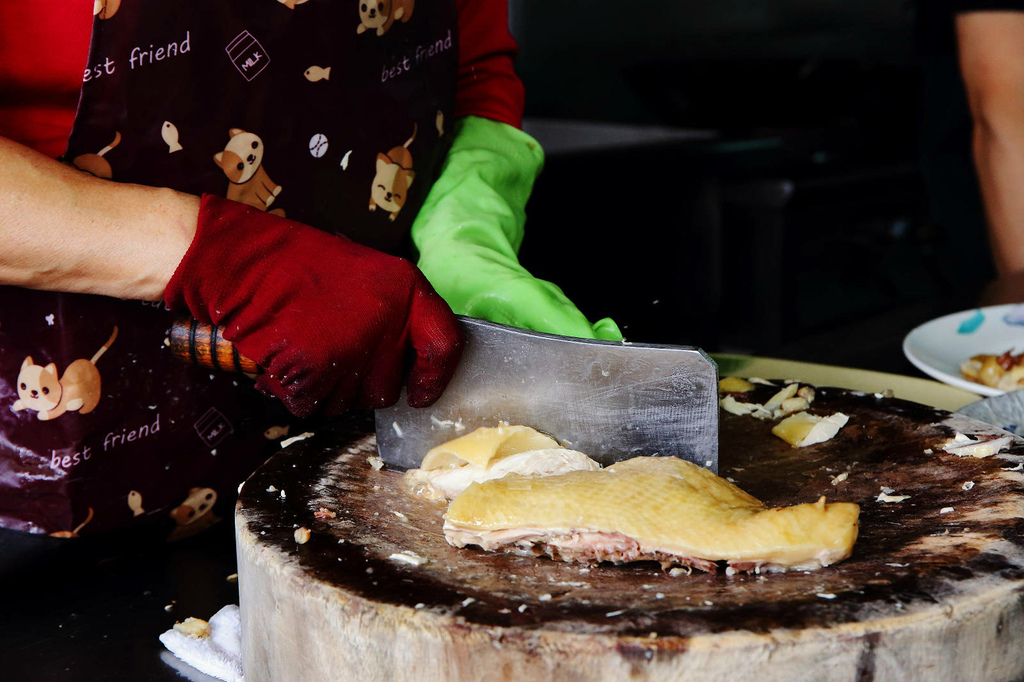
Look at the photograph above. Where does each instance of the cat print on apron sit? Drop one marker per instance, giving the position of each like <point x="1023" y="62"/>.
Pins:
<point x="329" y="112"/>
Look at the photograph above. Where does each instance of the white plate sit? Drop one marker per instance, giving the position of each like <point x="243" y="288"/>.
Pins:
<point x="938" y="347"/>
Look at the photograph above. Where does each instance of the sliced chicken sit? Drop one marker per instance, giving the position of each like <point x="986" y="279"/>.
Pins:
<point x="649" y="508"/>
<point x="490" y="453"/>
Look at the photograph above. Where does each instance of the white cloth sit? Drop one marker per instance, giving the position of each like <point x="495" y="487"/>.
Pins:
<point x="220" y="654"/>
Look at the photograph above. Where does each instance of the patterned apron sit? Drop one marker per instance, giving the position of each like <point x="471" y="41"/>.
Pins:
<point x="332" y="113"/>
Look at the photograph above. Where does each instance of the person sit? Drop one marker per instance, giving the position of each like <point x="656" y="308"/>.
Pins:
<point x="991" y="62"/>
<point x="990" y="43"/>
<point x="958" y="233"/>
<point x="260" y="166"/>
<point x="974" y="138"/>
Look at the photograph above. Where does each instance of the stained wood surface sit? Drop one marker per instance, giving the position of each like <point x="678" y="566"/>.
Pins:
<point x="925" y="595"/>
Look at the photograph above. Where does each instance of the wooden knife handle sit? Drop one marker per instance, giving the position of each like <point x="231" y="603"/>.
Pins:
<point x="196" y="343"/>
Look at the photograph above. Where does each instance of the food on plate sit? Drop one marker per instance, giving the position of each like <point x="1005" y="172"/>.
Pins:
<point x="649" y="508"/>
<point x="488" y="453"/>
<point x="1005" y="372"/>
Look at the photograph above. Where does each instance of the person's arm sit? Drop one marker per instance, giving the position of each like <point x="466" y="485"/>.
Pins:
<point x="330" y="321"/>
<point x="991" y="47"/>
<point x="64" y="230"/>
<point x="470" y="227"/>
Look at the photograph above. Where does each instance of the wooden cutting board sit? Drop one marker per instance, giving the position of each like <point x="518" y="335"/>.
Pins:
<point x="928" y="594"/>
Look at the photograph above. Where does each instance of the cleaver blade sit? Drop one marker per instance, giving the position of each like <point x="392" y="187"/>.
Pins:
<point x="607" y="399"/>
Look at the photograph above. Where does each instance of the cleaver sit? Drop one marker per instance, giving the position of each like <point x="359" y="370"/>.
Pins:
<point x="610" y="400"/>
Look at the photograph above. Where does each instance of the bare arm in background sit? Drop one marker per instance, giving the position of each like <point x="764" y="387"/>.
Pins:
<point x="64" y="230"/>
<point x="991" y="46"/>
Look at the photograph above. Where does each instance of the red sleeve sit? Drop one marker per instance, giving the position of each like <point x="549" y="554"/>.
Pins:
<point x="487" y="86"/>
<point x="39" y="87"/>
<point x="44" y="46"/>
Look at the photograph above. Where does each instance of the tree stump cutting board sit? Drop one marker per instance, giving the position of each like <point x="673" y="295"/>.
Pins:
<point x="930" y="593"/>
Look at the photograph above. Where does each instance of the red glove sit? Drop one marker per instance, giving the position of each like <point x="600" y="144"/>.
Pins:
<point x="330" y="321"/>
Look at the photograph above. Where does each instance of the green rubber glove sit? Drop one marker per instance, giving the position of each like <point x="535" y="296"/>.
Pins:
<point x="471" y="225"/>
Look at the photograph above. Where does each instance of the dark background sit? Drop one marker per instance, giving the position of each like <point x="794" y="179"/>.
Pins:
<point x="786" y="178"/>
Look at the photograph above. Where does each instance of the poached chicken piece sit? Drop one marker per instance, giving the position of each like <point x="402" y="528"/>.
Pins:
<point x="649" y="508"/>
<point x="489" y="453"/>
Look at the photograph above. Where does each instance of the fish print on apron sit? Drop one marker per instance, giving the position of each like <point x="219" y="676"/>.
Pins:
<point x="335" y="113"/>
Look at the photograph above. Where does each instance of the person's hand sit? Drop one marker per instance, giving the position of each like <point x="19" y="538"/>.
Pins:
<point x="470" y="228"/>
<point x="330" y="321"/>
